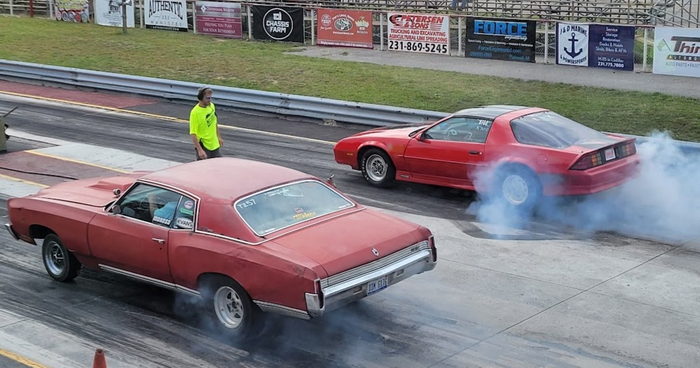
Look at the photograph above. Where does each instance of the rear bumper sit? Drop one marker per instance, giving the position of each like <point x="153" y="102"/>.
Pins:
<point x="349" y="286"/>
<point x="12" y="231"/>
<point x="593" y="180"/>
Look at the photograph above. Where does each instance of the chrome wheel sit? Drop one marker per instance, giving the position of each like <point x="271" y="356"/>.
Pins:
<point x="55" y="258"/>
<point x="376" y="167"/>
<point x="228" y="307"/>
<point x="515" y="189"/>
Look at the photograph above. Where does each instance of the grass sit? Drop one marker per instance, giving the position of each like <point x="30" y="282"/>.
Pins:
<point x="272" y="67"/>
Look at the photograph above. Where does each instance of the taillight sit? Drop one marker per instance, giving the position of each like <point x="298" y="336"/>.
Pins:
<point x="627" y="149"/>
<point x="319" y="292"/>
<point x="588" y="161"/>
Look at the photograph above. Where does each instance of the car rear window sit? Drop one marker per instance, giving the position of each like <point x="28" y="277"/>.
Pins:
<point x="274" y="209"/>
<point x="550" y="129"/>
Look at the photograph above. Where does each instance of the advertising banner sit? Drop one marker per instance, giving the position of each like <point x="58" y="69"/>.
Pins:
<point x="218" y="19"/>
<point x="109" y="13"/>
<point x="337" y="27"/>
<point x="278" y="23"/>
<point x="677" y="51"/>
<point x="501" y="39"/>
<point x="419" y="33"/>
<point x="72" y="10"/>
<point x="595" y="45"/>
<point x="166" y="14"/>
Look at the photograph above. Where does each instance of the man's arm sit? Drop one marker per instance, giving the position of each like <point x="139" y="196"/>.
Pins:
<point x="218" y="135"/>
<point x="198" y="147"/>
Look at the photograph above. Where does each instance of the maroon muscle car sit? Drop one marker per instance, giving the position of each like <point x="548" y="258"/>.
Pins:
<point x="245" y="236"/>
<point x="512" y="153"/>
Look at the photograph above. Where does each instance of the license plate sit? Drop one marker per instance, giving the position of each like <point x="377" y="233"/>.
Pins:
<point x="609" y="154"/>
<point x="378" y="284"/>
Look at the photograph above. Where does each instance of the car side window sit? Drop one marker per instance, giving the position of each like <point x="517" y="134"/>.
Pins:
<point x="184" y="214"/>
<point x="151" y="204"/>
<point x="460" y="129"/>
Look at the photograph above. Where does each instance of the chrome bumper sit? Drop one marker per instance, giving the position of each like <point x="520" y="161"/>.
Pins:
<point x="11" y="231"/>
<point x="349" y="286"/>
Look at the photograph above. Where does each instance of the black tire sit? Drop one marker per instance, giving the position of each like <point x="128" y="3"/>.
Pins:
<point x="60" y="264"/>
<point x="377" y="168"/>
<point x="230" y="310"/>
<point x="518" y="188"/>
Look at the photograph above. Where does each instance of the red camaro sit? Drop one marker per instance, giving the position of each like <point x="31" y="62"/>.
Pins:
<point x="243" y="235"/>
<point x="513" y="153"/>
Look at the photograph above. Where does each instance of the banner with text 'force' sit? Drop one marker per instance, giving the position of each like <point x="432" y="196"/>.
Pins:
<point x="677" y="51"/>
<point x="109" y="13"/>
<point x="166" y="14"/>
<point x="218" y="19"/>
<point x="501" y="39"/>
<point x="339" y="27"/>
<point x="278" y="23"/>
<point x="595" y="45"/>
<point x="425" y="33"/>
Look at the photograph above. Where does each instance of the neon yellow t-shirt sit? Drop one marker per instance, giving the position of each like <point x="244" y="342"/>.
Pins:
<point x="203" y="123"/>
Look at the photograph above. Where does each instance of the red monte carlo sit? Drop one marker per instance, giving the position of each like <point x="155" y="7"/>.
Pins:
<point x="247" y="237"/>
<point x="513" y="154"/>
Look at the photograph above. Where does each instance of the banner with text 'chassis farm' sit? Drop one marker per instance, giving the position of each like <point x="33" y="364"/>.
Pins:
<point x="339" y="27"/>
<point x="425" y="33"/>
<point x="677" y="51"/>
<point x="218" y="19"/>
<point x="595" y="45"/>
<point x="278" y="23"/>
<point x="501" y="39"/>
<point x="109" y="13"/>
<point x="166" y="14"/>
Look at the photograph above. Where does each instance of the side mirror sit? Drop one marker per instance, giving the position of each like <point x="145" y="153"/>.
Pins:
<point x="421" y="136"/>
<point x="116" y="209"/>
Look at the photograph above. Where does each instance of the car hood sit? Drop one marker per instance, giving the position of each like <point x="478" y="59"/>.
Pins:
<point x="341" y="243"/>
<point x="97" y="192"/>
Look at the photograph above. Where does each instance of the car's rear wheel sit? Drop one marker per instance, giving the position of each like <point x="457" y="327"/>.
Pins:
<point x="518" y="188"/>
<point x="377" y="168"/>
<point x="230" y="308"/>
<point x="60" y="264"/>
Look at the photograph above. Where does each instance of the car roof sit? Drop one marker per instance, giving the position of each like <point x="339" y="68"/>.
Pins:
<point x="225" y="177"/>
<point x="490" y="111"/>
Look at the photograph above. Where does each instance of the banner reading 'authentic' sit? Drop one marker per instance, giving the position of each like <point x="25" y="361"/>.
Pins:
<point x="279" y="23"/>
<point x="166" y="14"/>
<point x="677" y="51"/>
<point x="419" y="33"/>
<point x="337" y="27"/>
<point x="218" y="19"/>
<point x="489" y="38"/>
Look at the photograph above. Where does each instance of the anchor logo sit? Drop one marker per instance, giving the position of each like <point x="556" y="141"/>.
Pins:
<point x="573" y="40"/>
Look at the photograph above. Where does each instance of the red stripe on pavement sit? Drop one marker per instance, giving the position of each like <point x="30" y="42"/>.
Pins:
<point x="27" y="166"/>
<point x="86" y="97"/>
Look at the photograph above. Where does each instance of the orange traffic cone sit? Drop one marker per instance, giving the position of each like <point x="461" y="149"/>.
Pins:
<point x="99" y="361"/>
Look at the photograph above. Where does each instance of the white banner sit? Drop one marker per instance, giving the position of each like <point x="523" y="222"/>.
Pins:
<point x="109" y="13"/>
<point x="572" y="44"/>
<point x="166" y="14"/>
<point x="426" y="33"/>
<point x="677" y="51"/>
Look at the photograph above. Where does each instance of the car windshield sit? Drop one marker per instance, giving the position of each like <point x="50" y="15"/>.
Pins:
<point x="550" y="129"/>
<point x="286" y="205"/>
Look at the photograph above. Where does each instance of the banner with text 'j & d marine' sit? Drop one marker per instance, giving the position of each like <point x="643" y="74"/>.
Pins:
<point x="595" y="45"/>
<point x="419" y="33"/>
<point x="166" y="14"/>
<point x="279" y="23"/>
<point x="501" y="39"/>
<point x="218" y="19"/>
<point x="677" y="51"/>
<point x="337" y="27"/>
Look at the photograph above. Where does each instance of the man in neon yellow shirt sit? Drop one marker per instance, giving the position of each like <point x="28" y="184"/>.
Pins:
<point x="204" y="126"/>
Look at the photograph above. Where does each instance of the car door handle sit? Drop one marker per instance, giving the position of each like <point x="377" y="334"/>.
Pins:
<point x="158" y="240"/>
<point x="474" y="152"/>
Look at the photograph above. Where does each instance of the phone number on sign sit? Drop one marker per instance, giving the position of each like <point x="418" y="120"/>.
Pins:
<point x="434" y="48"/>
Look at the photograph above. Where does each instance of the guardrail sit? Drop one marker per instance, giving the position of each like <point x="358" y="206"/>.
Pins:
<point x="278" y="103"/>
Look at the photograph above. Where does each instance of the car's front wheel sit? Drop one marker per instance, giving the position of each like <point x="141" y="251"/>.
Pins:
<point x="60" y="264"/>
<point x="377" y="168"/>
<point x="230" y="308"/>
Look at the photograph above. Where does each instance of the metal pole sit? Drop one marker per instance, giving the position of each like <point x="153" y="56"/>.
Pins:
<point x="143" y="10"/>
<point x="546" y="42"/>
<point x="12" y="12"/>
<point x="250" y="23"/>
<point x="313" y="27"/>
<point x="124" y="16"/>
<point x="460" y="24"/>
<point x="381" y="31"/>
<point x="644" y="53"/>
<point x="194" y="17"/>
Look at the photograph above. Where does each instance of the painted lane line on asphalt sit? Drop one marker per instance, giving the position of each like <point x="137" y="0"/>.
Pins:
<point x="21" y="360"/>
<point x="23" y="181"/>
<point x="34" y="152"/>
<point x="168" y="118"/>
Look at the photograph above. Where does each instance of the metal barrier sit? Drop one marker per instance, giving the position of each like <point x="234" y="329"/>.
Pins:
<point x="278" y="103"/>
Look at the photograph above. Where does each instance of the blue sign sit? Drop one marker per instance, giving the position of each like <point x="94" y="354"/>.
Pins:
<point x="611" y="46"/>
<point x="501" y="39"/>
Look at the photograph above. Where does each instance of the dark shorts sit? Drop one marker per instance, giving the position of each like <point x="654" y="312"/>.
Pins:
<point x="210" y="154"/>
